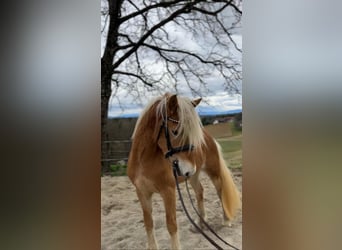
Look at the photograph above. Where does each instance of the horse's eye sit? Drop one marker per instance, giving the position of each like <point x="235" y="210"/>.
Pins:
<point x="174" y="132"/>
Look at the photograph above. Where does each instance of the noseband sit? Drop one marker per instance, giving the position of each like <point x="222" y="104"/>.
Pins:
<point x="171" y="150"/>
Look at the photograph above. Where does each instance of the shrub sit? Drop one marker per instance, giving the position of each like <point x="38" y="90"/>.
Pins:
<point x="118" y="170"/>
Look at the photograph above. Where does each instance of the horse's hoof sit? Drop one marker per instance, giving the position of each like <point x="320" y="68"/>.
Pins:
<point x="152" y="247"/>
<point x="227" y="223"/>
<point x="193" y="229"/>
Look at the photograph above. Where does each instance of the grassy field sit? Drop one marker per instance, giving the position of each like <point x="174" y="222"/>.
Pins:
<point x="226" y="135"/>
<point x="232" y="152"/>
<point x="230" y="140"/>
<point x="220" y="130"/>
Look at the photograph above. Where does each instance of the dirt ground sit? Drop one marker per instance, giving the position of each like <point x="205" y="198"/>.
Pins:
<point x="122" y="225"/>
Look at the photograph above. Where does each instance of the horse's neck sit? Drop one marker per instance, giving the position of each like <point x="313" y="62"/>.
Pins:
<point x="145" y="139"/>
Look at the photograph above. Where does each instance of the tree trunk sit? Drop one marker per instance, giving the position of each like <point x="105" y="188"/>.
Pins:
<point x="105" y="96"/>
<point x="107" y="67"/>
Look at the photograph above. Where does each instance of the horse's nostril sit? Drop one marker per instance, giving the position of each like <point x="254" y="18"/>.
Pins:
<point x="187" y="174"/>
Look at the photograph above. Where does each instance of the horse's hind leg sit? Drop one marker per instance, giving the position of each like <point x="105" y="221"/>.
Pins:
<point x="146" y="204"/>
<point x="198" y="188"/>
<point x="218" y="186"/>
<point x="169" y="198"/>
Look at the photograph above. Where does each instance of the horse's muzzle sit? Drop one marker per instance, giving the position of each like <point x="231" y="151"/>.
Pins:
<point x="183" y="168"/>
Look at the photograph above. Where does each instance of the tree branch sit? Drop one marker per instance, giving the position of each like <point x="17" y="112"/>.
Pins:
<point x="150" y="32"/>
<point x="231" y="4"/>
<point x="214" y="62"/>
<point x="211" y="13"/>
<point x="134" y="75"/>
<point x="149" y="7"/>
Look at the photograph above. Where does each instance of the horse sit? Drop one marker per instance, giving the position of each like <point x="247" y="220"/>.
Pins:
<point x="168" y="121"/>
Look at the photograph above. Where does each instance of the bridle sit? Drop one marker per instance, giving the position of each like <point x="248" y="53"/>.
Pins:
<point x="176" y="172"/>
<point x="170" y="149"/>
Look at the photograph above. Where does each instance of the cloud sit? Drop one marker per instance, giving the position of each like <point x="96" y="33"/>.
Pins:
<point x="216" y="104"/>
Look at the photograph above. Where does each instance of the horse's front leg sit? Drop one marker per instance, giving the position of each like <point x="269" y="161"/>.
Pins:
<point x="146" y="204"/>
<point x="169" y="197"/>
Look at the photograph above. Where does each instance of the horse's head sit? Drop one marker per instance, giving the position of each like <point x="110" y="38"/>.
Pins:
<point x="180" y="136"/>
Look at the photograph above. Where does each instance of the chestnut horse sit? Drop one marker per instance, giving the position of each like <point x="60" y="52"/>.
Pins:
<point x="170" y="130"/>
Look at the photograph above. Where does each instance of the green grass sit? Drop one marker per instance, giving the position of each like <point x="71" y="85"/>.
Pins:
<point x="234" y="130"/>
<point x="118" y="170"/>
<point x="232" y="152"/>
<point x="232" y="148"/>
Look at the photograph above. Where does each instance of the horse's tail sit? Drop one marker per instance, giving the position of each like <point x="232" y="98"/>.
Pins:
<point x="230" y="195"/>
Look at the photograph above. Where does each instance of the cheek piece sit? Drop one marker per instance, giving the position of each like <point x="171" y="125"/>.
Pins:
<point x="171" y="150"/>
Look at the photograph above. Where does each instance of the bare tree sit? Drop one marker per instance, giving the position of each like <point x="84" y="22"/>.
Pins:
<point x="156" y="45"/>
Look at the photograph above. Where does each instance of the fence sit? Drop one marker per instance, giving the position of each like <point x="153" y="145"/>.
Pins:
<point x="113" y="152"/>
<point x="117" y="145"/>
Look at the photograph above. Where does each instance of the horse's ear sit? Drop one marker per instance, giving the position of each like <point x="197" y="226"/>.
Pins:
<point x="195" y="102"/>
<point x="172" y="104"/>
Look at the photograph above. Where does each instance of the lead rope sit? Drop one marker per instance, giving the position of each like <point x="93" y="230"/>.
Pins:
<point x="204" y="222"/>
<point x="175" y="169"/>
<point x="187" y="214"/>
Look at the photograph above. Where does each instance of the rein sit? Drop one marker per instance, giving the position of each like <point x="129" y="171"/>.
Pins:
<point x="177" y="172"/>
<point x="204" y="222"/>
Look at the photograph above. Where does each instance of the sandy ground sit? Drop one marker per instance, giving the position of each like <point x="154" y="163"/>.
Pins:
<point x="122" y="225"/>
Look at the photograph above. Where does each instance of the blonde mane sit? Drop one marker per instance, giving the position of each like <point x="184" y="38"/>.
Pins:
<point x="189" y="128"/>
